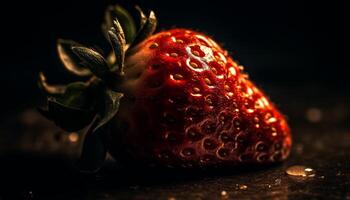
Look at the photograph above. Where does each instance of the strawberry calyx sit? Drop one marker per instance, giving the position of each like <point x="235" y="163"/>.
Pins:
<point x="89" y="106"/>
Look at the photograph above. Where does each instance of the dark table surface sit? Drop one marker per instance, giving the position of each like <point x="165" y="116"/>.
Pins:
<point x="35" y="159"/>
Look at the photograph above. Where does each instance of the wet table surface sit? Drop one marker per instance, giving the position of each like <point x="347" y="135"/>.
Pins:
<point x="42" y="168"/>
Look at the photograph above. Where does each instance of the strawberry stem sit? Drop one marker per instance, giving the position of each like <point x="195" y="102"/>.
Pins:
<point x="96" y="101"/>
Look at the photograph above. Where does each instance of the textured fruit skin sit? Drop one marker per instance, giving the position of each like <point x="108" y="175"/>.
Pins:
<point x="188" y="104"/>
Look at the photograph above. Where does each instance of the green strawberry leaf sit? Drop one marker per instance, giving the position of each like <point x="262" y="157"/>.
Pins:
<point x="53" y="90"/>
<point x="143" y="17"/>
<point x="111" y="106"/>
<point x="74" y="109"/>
<point x="66" y="117"/>
<point x="76" y="96"/>
<point x="147" y="29"/>
<point x="71" y="61"/>
<point x="118" y="13"/>
<point x="94" y="61"/>
<point x="94" y="149"/>
<point x="117" y="40"/>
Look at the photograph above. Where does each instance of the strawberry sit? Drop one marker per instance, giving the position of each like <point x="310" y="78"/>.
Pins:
<point x="174" y="99"/>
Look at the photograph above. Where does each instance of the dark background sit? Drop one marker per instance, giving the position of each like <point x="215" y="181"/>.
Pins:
<point x="285" y="43"/>
<point x="296" y="51"/>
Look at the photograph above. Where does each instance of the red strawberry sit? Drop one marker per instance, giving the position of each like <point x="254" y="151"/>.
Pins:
<point x="185" y="102"/>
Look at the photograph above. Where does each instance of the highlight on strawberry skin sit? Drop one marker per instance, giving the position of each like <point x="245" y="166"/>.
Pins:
<point x="169" y="99"/>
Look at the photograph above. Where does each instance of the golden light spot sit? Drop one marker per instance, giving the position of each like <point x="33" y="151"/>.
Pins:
<point x="250" y="110"/>
<point x="245" y="76"/>
<point x="223" y="193"/>
<point x="214" y="70"/>
<point x="196" y="94"/>
<point x="194" y="65"/>
<point x="222" y="56"/>
<point x="256" y="119"/>
<point x="173" y="55"/>
<point x="259" y="104"/>
<point x="73" y="137"/>
<point x="267" y="116"/>
<point x="196" y="53"/>
<point x="178" y="76"/>
<point x="153" y="45"/>
<point x="227" y="88"/>
<point x="265" y="101"/>
<point x="196" y="90"/>
<point x="209" y="101"/>
<point x="243" y="187"/>
<point x="240" y="67"/>
<point x="249" y="91"/>
<point x="314" y="115"/>
<point x="207" y="81"/>
<point x="179" y="41"/>
<point x="271" y="120"/>
<point x="232" y="71"/>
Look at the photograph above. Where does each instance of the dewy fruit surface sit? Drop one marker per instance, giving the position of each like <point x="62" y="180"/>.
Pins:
<point x="171" y="99"/>
<point x="187" y="103"/>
